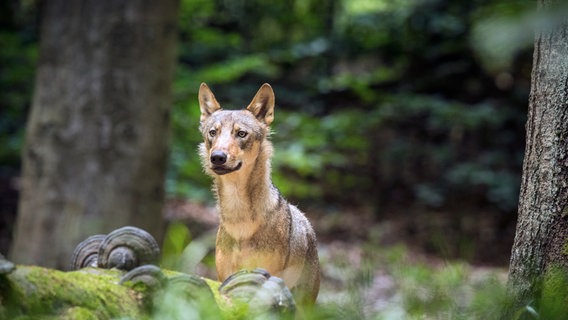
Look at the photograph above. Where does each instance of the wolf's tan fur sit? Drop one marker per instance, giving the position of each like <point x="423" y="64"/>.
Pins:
<point x="259" y="228"/>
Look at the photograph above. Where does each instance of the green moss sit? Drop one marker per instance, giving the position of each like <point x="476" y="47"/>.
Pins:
<point x="78" y="313"/>
<point x="554" y="297"/>
<point x="33" y="292"/>
<point x="231" y="310"/>
<point x="225" y="305"/>
<point x="80" y="294"/>
<point x="214" y="285"/>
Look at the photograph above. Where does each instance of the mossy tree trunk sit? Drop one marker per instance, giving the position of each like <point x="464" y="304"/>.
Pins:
<point x="95" y="153"/>
<point x="541" y="241"/>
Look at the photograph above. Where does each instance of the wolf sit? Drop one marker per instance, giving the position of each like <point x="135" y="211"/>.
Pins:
<point x="258" y="227"/>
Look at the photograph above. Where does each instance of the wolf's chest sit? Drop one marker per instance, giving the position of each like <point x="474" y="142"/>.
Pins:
<point x="236" y="256"/>
<point x="249" y="258"/>
<point x="241" y="231"/>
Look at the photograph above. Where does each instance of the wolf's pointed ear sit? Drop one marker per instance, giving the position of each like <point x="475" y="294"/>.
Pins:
<point x="262" y="105"/>
<point x="207" y="102"/>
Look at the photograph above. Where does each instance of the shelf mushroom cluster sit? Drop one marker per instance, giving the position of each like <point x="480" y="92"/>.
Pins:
<point x="136" y="252"/>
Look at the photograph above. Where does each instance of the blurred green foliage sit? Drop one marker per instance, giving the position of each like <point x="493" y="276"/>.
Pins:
<point x="378" y="102"/>
<point x="176" y="239"/>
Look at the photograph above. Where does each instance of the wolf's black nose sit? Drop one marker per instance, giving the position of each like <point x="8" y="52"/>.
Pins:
<point x="218" y="157"/>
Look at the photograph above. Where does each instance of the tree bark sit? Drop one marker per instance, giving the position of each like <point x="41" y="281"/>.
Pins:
<point x="541" y="240"/>
<point x="96" y="144"/>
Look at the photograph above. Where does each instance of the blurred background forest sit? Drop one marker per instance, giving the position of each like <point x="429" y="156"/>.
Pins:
<point x="397" y="114"/>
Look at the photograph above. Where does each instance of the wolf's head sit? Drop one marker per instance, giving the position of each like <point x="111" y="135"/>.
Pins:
<point x="234" y="139"/>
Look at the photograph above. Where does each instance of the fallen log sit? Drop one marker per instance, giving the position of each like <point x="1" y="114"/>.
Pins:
<point x="94" y="293"/>
<point x="86" y="294"/>
<point x="115" y="277"/>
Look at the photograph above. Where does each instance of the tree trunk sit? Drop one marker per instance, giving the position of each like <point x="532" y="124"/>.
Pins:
<point x="541" y="240"/>
<point x="96" y="143"/>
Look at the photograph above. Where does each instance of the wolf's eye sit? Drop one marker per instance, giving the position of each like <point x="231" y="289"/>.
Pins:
<point x="242" y="134"/>
<point x="212" y="132"/>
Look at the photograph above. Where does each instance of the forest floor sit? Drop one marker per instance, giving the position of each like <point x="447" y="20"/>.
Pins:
<point x="426" y="266"/>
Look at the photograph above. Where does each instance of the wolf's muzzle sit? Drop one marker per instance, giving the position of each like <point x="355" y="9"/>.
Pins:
<point x="218" y="160"/>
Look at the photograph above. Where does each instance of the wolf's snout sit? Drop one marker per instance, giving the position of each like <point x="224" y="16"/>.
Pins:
<point x="218" y="157"/>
